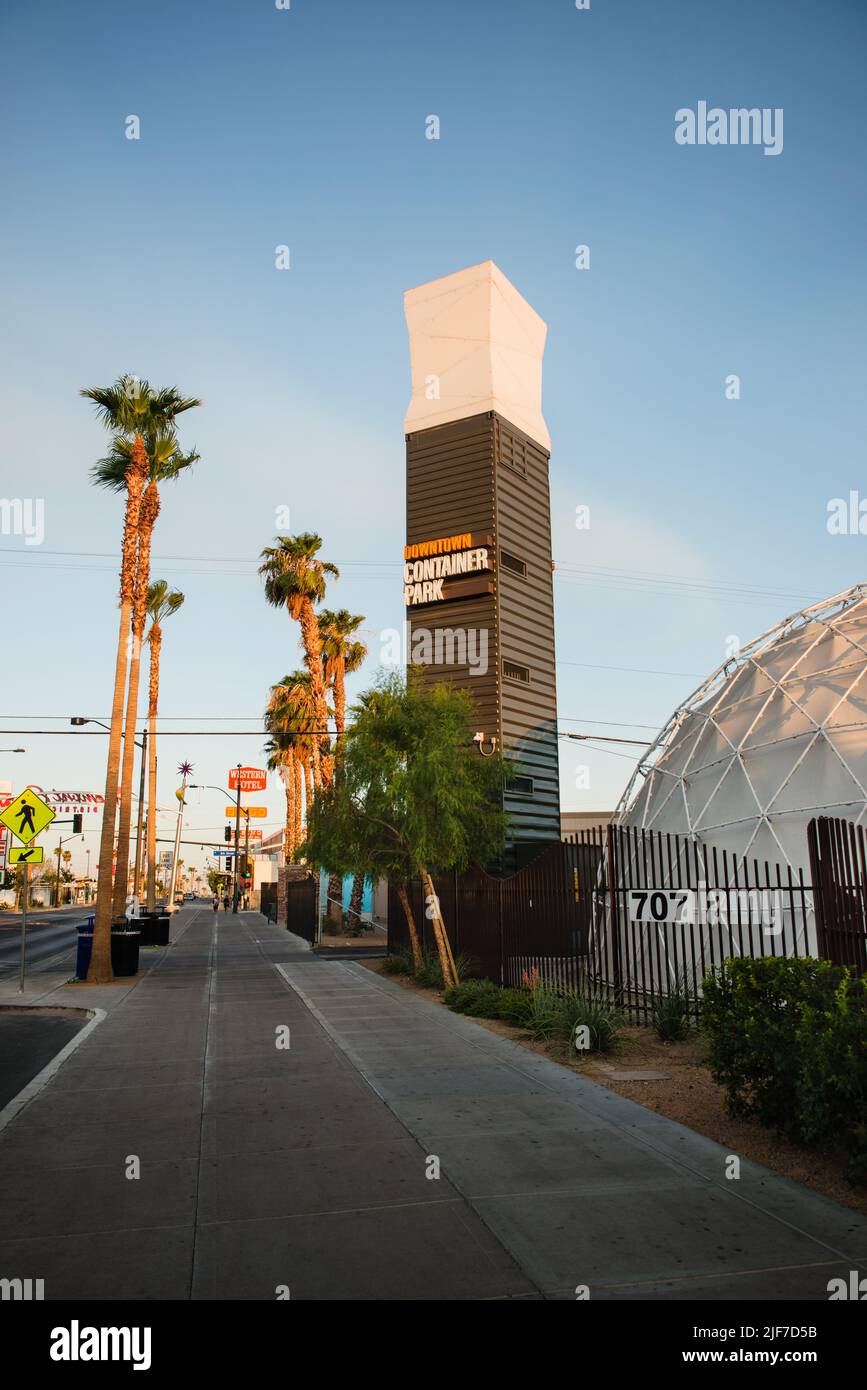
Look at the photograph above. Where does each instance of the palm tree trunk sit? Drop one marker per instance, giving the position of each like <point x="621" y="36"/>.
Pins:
<point x="417" y="957"/>
<point x="338" y="686"/>
<point x="298" y="777"/>
<point x="313" y="662"/>
<point x="335" y="881"/>
<point x="355" y="901"/>
<point x="147" y="518"/>
<point x="287" y="774"/>
<point x="447" y="963"/>
<point x="153" y="702"/>
<point x="308" y="787"/>
<point x="100" y="971"/>
<point x="121" y="875"/>
<point x="317" y="765"/>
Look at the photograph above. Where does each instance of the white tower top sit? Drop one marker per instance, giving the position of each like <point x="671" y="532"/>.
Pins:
<point x="475" y="345"/>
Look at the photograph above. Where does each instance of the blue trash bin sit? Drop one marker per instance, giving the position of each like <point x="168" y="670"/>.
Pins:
<point x="85" y="946"/>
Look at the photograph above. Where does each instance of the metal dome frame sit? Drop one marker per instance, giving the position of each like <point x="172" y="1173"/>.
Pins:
<point x="701" y="707"/>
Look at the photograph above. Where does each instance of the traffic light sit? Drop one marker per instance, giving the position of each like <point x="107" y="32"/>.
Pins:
<point x="227" y="834"/>
<point x="77" y="823"/>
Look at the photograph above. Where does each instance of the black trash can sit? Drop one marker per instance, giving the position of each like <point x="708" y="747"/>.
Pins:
<point x="154" y="927"/>
<point x="85" y="946"/>
<point x="124" y="950"/>
<point x="147" y="926"/>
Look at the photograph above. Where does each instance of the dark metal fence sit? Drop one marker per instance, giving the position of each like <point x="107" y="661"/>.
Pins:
<point x="268" y="901"/>
<point x="618" y="914"/>
<point x="302" y="899"/>
<point x="839" y="870"/>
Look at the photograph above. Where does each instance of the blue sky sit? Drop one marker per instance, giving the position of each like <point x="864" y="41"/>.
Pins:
<point x="306" y="127"/>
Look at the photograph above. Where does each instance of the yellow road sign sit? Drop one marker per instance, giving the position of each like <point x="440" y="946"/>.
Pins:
<point x="27" y="816"/>
<point x="26" y="854"/>
<point x="253" y="811"/>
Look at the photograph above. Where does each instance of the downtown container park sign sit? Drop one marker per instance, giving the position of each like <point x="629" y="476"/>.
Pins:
<point x="427" y="565"/>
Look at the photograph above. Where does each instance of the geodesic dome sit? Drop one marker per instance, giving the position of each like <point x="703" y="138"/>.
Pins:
<point x="775" y="736"/>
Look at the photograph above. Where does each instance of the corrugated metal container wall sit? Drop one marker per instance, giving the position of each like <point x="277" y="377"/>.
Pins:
<point x="481" y="475"/>
<point x="525" y="604"/>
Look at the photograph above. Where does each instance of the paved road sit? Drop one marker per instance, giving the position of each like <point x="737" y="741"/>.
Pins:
<point x="28" y="1043"/>
<point x="43" y="915"/>
<point x="47" y="945"/>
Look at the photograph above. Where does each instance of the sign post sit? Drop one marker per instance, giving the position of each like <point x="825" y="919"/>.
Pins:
<point x="33" y="816"/>
<point x="24" y="927"/>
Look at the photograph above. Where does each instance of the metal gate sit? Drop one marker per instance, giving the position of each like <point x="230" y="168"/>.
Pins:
<point x="302" y="907"/>
<point x="839" y="872"/>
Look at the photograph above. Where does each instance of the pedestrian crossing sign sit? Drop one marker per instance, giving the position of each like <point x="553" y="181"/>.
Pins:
<point x="27" y="816"/>
<point x="26" y="854"/>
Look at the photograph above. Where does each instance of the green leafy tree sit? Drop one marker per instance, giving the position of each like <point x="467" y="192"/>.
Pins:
<point x="414" y="796"/>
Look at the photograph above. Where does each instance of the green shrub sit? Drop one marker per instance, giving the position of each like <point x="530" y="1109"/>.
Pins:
<point x="788" y="1041"/>
<point x="752" y="1011"/>
<point x="398" y="963"/>
<point x="477" y="997"/>
<point x="429" y="975"/>
<point x="670" y="1014"/>
<point x="544" y="1013"/>
<point x="833" y="1085"/>
<point x="466" y="966"/>
<point x="514" y="1006"/>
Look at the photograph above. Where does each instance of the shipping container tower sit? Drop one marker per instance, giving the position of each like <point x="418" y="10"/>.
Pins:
<point x="477" y="562"/>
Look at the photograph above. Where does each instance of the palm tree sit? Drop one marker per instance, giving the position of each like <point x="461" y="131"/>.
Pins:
<point x="295" y="579"/>
<point x="167" y="462"/>
<point x="341" y="656"/>
<point x="291" y="720"/>
<point x="129" y="408"/>
<point x="162" y="602"/>
<point x="281" y="758"/>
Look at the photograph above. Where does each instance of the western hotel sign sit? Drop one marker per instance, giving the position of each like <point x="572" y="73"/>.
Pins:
<point x="477" y="559"/>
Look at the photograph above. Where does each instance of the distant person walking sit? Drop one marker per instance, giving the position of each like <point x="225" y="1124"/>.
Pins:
<point x="226" y="903"/>
<point x="216" y="902"/>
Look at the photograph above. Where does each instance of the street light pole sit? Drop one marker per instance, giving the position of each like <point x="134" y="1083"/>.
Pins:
<point x="185" y="769"/>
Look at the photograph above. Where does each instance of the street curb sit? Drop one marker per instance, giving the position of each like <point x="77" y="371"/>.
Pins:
<point x="38" y="1083"/>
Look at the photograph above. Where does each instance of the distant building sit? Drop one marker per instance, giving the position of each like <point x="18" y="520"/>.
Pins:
<point x="573" y="821"/>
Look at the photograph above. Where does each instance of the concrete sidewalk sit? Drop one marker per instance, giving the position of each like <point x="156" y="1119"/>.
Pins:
<point x="266" y="1168"/>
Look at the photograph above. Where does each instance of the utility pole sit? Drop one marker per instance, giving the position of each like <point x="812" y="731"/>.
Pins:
<point x="237" y="840"/>
<point x="247" y="841"/>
